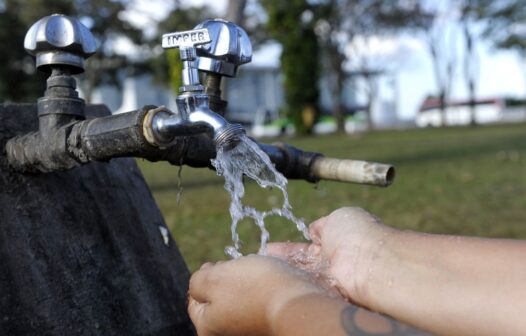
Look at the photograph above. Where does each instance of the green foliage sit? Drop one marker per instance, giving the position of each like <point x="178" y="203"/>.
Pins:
<point x="342" y="21"/>
<point x="504" y="22"/>
<point x="289" y="24"/>
<point x="467" y="181"/>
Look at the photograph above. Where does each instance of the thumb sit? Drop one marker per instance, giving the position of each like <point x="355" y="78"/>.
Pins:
<point x="316" y="229"/>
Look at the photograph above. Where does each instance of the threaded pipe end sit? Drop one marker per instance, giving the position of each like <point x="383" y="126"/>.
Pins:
<point x="229" y="136"/>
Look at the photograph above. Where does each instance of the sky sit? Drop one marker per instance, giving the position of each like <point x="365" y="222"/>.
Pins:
<point x="501" y="73"/>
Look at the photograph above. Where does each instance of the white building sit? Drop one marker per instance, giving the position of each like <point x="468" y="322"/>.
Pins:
<point x="487" y="111"/>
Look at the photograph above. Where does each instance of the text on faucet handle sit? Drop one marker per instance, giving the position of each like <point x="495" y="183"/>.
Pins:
<point x="187" y="38"/>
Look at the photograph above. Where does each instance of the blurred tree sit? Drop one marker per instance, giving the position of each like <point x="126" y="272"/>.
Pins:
<point x="345" y="26"/>
<point x="292" y="24"/>
<point x="471" y="12"/>
<point x="505" y="24"/>
<point x="106" y="21"/>
<point x="235" y="11"/>
<point x="443" y="42"/>
<point x="442" y="46"/>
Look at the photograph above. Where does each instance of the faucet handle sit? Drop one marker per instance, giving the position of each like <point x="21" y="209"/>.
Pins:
<point x="230" y="47"/>
<point x="59" y="40"/>
<point x="186" y="41"/>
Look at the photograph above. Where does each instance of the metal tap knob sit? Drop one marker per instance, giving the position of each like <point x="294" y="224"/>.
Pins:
<point x="229" y="48"/>
<point x="59" y="40"/>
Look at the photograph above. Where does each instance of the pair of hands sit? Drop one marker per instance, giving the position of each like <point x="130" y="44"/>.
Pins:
<point x="247" y="296"/>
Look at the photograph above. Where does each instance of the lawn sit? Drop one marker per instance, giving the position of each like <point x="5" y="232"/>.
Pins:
<point x="468" y="181"/>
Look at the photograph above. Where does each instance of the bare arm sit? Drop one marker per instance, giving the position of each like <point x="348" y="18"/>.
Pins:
<point x="477" y="285"/>
<point x="314" y="316"/>
<point x="258" y="295"/>
<point x="445" y="284"/>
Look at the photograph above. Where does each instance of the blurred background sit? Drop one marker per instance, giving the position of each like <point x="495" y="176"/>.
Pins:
<point x="437" y="88"/>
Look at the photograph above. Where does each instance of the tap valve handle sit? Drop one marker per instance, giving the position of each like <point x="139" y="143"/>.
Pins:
<point x="229" y="48"/>
<point x="61" y="42"/>
<point x="187" y="41"/>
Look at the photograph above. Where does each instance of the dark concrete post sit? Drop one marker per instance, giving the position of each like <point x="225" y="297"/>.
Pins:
<point x="85" y="251"/>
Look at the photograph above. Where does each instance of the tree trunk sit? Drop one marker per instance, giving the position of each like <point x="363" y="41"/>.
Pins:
<point x="470" y="71"/>
<point x="336" y="87"/>
<point x="338" y="108"/>
<point x="443" y="107"/>
<point x="234" y="11"/>
<point x="441" y="82"/>
<point x="472" y="105"/>
<point x="371" y="95"/>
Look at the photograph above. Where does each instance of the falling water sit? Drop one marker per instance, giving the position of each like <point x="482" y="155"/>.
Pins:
<point x="249" y="160"/>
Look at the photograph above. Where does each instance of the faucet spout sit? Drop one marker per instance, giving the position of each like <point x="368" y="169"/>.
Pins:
<point x="161" y="127"/>
<point x="224" y="133"/>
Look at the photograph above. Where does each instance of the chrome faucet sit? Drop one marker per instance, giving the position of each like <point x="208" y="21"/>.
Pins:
<point x="68" y="137"/>
<point x="193" y="114"/>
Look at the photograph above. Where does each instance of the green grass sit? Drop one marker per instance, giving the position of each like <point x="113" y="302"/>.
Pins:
<point x="469" y="181"/>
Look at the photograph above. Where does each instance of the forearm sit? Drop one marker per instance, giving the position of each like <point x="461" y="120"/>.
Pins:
<point x="450" y="285"/>
<point x="309" y="315"/>
<point x="321" y="315"/>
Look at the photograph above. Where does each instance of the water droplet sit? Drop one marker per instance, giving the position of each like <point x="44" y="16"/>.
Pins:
<point x="232" y="252"/>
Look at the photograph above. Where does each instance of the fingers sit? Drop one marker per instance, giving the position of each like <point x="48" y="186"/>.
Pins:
<point x="202" y="282"/>
<point x="285" y="250"/>
<point x="196" y="311"/>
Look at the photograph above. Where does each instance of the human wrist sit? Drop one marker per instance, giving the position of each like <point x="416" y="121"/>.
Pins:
<point x="385" y="268"/>
<point x="370" y="256"/>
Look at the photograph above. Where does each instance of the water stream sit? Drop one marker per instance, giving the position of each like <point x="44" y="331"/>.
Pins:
<point x="249" y="160"/>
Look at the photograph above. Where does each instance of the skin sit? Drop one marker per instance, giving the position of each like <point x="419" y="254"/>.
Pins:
<point x="250" y="296"/>
<point x="446" y="285"/>
<point x="257" y="295"/>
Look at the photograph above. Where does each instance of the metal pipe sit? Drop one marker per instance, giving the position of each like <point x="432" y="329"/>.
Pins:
<point x="353" y="171"/>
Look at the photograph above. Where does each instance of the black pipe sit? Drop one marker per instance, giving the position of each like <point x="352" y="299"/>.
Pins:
<point x="292" y="162"/>
<point x="121" y="135"/>
<point x="102" y="139"/>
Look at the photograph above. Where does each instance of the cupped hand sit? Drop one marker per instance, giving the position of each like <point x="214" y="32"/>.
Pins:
<point x="244" y="296"/>
<point x="346" y="244"/>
